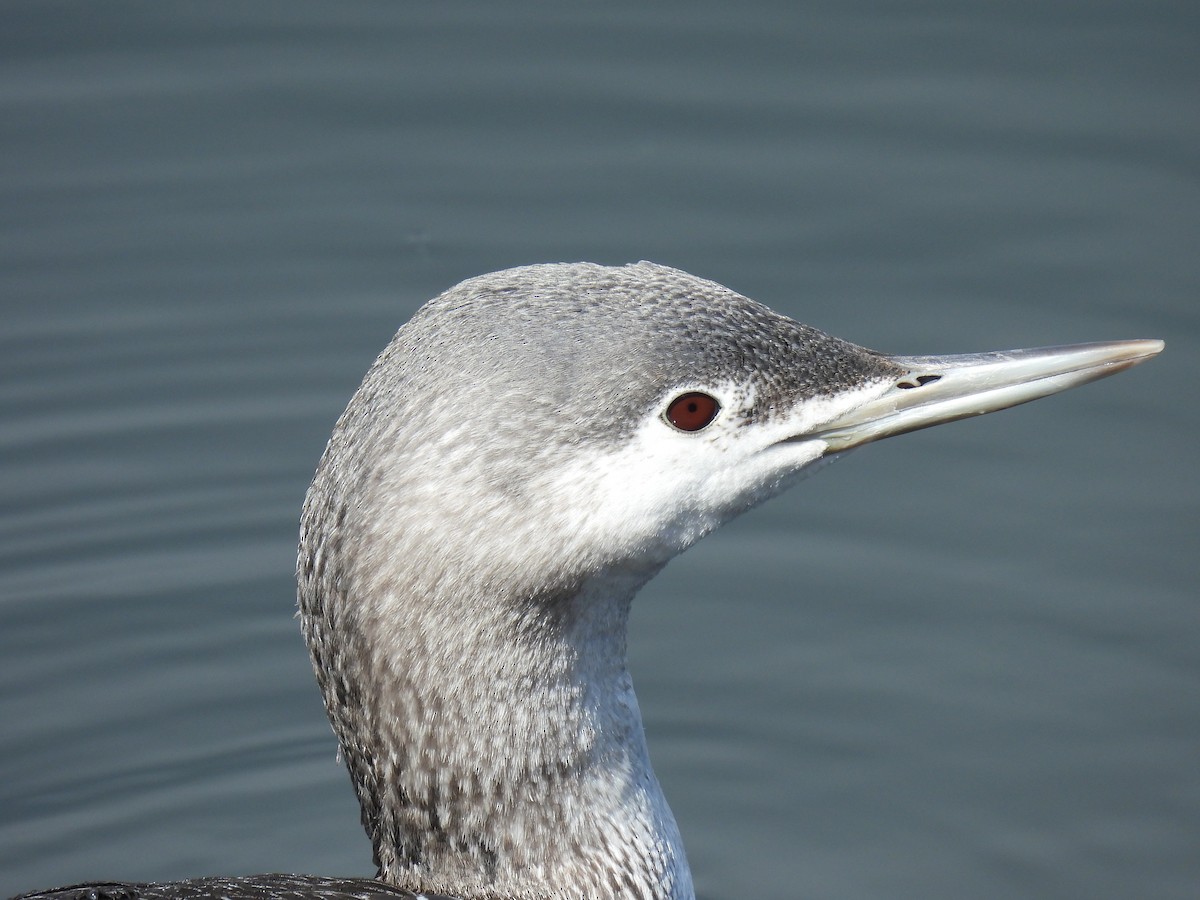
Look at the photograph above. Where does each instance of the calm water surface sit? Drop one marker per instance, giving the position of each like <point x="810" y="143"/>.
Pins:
<point x="961" y="664"/>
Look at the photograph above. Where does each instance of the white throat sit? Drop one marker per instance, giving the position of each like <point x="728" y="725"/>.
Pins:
<point x="501" y="752"/>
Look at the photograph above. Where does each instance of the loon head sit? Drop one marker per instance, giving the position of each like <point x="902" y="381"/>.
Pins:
<point x="531" y="448"/>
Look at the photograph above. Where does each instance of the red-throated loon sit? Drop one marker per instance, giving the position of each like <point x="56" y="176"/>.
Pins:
<point x="528" y="451"/>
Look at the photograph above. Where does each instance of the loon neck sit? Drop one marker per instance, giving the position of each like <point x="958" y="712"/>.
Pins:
<point x="496" y="744"/>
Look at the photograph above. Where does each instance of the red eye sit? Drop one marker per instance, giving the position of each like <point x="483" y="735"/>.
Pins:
<point x="692" y="411"/>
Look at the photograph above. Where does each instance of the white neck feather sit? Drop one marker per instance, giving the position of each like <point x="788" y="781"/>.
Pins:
<point x="496" y="743"/>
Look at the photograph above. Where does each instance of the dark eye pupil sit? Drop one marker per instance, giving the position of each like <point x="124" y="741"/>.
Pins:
<point x="692" y="411"/>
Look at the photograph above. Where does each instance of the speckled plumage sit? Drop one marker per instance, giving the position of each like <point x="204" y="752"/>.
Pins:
<point x="471" y="643"/>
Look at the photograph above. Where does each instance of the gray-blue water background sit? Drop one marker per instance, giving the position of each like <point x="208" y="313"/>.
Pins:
<point x="961" y="664"/>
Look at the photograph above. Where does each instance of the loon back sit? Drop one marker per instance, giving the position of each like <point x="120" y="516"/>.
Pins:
<point x="248" y="887"/>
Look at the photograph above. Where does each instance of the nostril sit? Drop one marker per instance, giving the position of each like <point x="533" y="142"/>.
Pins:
<point x="919" y="381"/>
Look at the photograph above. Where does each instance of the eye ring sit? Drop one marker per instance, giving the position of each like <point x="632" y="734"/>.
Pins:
<point x="692" y="411"/>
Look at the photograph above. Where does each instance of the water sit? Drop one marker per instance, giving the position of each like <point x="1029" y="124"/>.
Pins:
<point x="959" y="664"/>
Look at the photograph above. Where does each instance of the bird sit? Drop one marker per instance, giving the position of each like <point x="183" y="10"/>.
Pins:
<point x="529" y="450"/>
